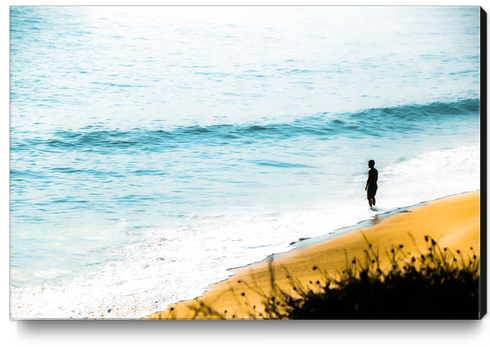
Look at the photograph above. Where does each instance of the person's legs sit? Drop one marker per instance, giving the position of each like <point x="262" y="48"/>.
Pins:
<point x="371" y="193"/>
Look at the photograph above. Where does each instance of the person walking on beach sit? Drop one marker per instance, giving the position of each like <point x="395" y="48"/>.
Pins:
<point x="372" y="184"/>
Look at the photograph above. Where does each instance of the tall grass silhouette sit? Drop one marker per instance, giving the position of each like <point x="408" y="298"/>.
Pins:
<point x="436" y="284"/>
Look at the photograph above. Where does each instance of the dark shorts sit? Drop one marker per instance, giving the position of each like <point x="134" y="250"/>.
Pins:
<point x="371" y="191"/>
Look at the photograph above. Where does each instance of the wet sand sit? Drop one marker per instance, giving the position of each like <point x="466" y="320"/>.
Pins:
<point x="454" y="222"/>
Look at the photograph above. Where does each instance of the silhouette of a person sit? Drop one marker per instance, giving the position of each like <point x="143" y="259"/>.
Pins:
<point x="372" y="184"/>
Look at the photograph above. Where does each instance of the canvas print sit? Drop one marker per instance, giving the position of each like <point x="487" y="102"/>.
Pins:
<point x="246" y="162"/>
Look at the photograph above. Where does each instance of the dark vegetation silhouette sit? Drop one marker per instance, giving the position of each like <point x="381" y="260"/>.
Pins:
<point x="438" y="284"/>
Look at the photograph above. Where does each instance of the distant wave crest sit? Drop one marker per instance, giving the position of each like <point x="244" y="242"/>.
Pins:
<point x="370" y="122"/>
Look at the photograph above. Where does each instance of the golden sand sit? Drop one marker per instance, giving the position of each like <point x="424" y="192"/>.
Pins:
<point x="454" y="222"/>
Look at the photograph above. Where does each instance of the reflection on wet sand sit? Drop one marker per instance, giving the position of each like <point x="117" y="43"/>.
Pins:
<point x="375" y="220"/>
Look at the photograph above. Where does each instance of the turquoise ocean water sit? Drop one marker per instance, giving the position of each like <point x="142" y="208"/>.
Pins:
<point x="153" y="148"/>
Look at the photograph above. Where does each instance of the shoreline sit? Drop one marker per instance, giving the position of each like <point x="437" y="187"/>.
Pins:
<point x="453" y="220"/>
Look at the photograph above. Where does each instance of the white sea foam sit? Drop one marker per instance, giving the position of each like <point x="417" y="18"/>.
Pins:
<point x="430" y="176"/>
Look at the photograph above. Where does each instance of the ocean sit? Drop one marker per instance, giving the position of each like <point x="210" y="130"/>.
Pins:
<point x="152" y="149"/>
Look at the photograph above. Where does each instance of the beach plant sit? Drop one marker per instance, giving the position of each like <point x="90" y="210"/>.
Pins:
<point x="435" y="284"/>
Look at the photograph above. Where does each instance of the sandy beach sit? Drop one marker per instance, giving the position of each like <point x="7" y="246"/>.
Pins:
<point x="454" y="222"/>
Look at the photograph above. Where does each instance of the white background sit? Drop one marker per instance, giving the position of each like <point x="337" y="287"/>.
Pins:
<point x="207" y="333"/>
